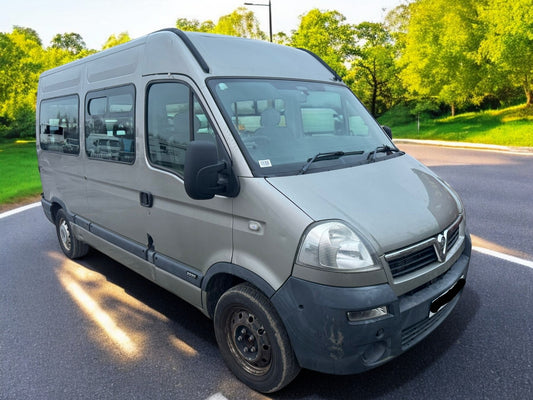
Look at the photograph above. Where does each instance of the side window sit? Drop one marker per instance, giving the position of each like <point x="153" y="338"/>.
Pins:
<point x="109" y="124"/>
<point x="174" y="118"/>
<point x="58" y="125"/>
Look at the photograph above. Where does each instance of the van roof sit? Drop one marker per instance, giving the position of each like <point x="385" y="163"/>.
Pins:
<point x="234" y="56"/>
<point x="199" y="55"/>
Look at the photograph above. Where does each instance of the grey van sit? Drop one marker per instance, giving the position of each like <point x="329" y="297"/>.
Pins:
<point x="247" y="179"/>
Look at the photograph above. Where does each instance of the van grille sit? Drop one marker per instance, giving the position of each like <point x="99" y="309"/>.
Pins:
<point x="413" y="262"/>
<point x="420" y="255"/>
<point x="453" y="235"/>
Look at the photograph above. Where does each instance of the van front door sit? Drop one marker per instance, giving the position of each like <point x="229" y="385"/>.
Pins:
<point x="190" y="235"/>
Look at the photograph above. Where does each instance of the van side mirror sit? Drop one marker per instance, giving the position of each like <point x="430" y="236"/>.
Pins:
<point x="387" y="130"/>
<point x="205" y="174"/>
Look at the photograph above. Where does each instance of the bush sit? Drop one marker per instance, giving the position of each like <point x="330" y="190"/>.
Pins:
<point x="22" y="125"/>
<point x="397" y="115"/>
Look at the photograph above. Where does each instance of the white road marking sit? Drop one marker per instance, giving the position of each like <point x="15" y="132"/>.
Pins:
<point x="504" y="256"/>
<point x="217" y="396"/>
<point x="19" y="210"/>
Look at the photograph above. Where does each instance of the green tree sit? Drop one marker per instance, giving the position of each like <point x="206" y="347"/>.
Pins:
<point x="193" y="25"/>
<point x="240" y="22"/>
<point x="374" y="74"/>
<point x="440" y="54"/>
<point x="28" y="33"/>
<point x="9" y="53"/>
<point x="281" y="38"/>
<point x="328" y="35"/>
<point x="115" y="40"/>
<point x="508" y="41"/>
<point x="71" y="42"/>
<point x="21" y="62"/>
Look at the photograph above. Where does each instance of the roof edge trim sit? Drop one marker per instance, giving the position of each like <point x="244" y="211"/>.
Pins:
<point x="192" y="48"/>
<point x="321" y="61"/>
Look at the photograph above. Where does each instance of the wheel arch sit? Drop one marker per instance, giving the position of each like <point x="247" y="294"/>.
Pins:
<point x="54" y="205"/>
<point x="223" y="276"/>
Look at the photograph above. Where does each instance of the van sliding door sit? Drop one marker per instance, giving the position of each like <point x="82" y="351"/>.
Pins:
<point x="112" y="186"/>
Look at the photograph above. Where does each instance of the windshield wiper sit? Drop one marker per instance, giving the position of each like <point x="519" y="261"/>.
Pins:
<point x="332" y="155"/>
<point x="382" y="149"/>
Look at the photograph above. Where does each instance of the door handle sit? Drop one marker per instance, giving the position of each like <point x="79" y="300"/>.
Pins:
<point x="146" y="199"/>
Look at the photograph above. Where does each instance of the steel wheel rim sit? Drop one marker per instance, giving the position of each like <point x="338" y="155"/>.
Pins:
<point x="248" y="342"/>
<point x="64" y="235"/>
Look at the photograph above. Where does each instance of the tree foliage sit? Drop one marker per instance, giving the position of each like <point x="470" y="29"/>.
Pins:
<point x="327" y="34"/>
<point x="507" y="44"/>
<point x="374" y="74"/>
<point x="440" y="54"/>
<point x="22" y="59"/>
<point x="71" y="42"/>
<point x="20" y="63"/>
<point x="115" y="40"/>
<point x="193" y="25"/>
<point x="240" y="22"/>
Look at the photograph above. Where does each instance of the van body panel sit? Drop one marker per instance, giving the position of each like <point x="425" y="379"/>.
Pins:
<point x="165" y="54"/>
<point x="267" y="231"/>
<point x="61" y="80"/>
<point x="409" y="203"/>
<point x="111" y="194"/>
<point x="126" y="62"/>
<point x="62" y="177"/>
<point x="177" y="224"/>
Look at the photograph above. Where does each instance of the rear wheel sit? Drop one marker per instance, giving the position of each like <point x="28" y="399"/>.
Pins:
<point x="72" y="247"/>
<point x="253" y="340"/>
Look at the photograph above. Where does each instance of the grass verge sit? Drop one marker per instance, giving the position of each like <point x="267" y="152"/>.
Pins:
<point x="511" y="126"/>
<point x="19" y="176"/>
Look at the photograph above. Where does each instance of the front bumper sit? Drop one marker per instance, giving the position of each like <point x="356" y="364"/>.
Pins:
<point x="323" y="339"/>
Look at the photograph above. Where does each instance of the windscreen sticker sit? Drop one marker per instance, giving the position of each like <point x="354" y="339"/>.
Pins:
<point x="265" y="163"/>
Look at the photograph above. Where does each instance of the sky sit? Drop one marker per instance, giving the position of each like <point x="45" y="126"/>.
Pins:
<point x="96" y="20"/>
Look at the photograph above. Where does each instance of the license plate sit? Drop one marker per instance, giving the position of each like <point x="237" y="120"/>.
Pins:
<point x="446" y="297"/>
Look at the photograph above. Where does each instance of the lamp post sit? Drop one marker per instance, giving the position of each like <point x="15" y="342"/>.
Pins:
<point x="269" y="5"/>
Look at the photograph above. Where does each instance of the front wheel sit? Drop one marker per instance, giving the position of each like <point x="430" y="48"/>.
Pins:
<point x="72" y="247"/>
<point x="253" y="340"/>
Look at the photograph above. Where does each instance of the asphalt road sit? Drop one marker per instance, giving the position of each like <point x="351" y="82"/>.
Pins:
<point x="95" y="330"/>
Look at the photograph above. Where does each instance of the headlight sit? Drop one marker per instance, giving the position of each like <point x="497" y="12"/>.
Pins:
<point x="332" y="244"/>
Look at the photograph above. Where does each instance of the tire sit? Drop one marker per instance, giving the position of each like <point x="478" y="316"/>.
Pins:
<point x="72" y="247"/>
<point x="253" y="341"/>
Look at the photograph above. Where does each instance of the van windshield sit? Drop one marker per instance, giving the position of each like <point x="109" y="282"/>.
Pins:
<point x="287" y="127"/>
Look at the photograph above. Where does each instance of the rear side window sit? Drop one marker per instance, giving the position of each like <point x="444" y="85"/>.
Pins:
<point x="58" y="125"/>
<point x="174" y="118"/>
<point x="109" y="124"/>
